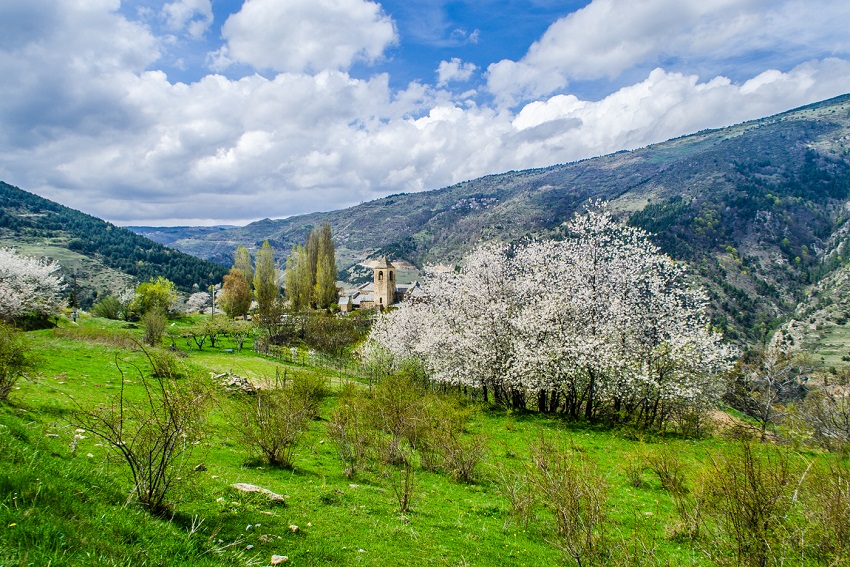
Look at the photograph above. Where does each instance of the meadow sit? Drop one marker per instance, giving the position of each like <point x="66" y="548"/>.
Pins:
<point x="65" y="501"/>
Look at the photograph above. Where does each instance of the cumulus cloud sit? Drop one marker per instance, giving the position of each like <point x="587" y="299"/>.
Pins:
<point x="87" y="120"/>
<point x="608" y="37"/>
<point x="454" y="70"/>
<point x="306" y="35"/>
<point x="192" y="16"/>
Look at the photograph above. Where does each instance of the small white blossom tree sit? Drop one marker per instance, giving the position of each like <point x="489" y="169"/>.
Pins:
<point x="198" y="302"/>
<point x="28" y="286"/>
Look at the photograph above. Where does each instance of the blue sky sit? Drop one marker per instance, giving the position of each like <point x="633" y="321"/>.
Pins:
<point x="224" y="111"/>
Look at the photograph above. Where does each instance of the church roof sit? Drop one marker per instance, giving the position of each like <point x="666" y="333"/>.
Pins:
<point x="383" y="263"/>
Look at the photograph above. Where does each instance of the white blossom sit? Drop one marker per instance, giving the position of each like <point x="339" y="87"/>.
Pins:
<point x="28" y="285"/>
<point x="598" y="321"/>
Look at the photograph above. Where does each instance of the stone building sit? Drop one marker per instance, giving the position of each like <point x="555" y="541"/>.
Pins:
<point x="382" y="292"/>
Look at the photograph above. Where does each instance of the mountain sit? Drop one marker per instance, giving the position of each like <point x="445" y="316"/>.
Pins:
<point x="171" y="235"/>
<point x="758" y="209"/>
<point x="97" y="257"/>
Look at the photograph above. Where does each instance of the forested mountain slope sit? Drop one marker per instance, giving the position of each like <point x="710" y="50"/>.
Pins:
<point x="102" y="257"/>
<point x="758" y="209"/>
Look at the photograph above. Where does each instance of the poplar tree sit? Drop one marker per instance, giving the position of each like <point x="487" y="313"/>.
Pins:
<point x="235" y="294"/>
<point x="311" y="271"/>
<point x="297" y="278"/>
<point x="324" y="289"/>
<point x="265" y="281"/>
<point x="242" y="262"/>
<point x="312" y="247"/>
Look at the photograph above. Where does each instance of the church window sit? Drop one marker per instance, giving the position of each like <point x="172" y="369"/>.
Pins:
<point x="380" y="276"/>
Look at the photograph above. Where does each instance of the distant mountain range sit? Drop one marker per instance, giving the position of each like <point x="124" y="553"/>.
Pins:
<point x="758" y="210"/>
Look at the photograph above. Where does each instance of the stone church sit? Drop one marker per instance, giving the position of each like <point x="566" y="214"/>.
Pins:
<point x="383" y="291"/>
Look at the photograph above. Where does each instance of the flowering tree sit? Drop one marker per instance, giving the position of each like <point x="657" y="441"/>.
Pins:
<point x="598" y="323"/>
<point x="198" y="302"/>
<point x="28" y="286"/>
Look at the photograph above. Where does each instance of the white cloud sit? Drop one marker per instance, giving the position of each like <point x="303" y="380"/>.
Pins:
<point x="454" y="70"/>
<point x="306" y="35"/>
<point x="193" y="16"/>
<point x="83" y="122"/>
<point x="608" y="37"/>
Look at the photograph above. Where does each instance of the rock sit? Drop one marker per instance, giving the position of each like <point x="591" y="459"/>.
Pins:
<point x="245" y="487"/>
<point x="249" y="547"/>
<point x="294" y="529"/>
<point x="201" y="467"/>
<point x="234" y="383"/>
<point x="278" y="559"/>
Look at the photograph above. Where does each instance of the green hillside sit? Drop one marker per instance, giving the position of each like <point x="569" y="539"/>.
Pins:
<point x="64" y="493"/>
<point x="102" y="257"/>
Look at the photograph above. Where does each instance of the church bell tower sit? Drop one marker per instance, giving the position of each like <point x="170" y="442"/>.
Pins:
<point x="384" y="284"/>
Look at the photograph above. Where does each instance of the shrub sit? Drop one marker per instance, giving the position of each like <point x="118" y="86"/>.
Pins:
<point x="829" y="512"/>
<point x="312" y="389"/>
<point x="670" y="470"/>
<point x="109" y="307"/>
<point x="14" y="359"/>
<point x="633" y="467"/>
<point x="156" y="437"/>
<point x="165" y="364"/>
<point x="749" y="497"/>
<point x="154" y="324"/>
<point x="396" y="409"/>
<point x="273" y="421"/>
<point x="827" y="414"/>
<point x="441" y="442"/>
<point x="348" y="430"/>
<point x="573" y="490"/>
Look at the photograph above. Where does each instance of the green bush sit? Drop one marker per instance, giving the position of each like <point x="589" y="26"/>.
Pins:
<point x="14" y="359"/>
<point x="165" y="364"/>
<point x="273" y="420"/>
<point x="155" y="437"/>
<point x="109" y="307"/>
<point x="154" y="324"/>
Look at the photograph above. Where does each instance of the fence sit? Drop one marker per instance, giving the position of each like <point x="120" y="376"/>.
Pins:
<point x="342" y="366"/>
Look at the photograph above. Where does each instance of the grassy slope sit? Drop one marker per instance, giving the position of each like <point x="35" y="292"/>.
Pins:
<point x="70" y="509"/>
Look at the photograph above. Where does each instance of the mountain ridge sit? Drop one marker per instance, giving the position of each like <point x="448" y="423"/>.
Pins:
<point x="754" y="208"/>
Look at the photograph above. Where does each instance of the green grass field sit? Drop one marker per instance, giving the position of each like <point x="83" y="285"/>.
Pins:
<point x="60" y="506"/>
